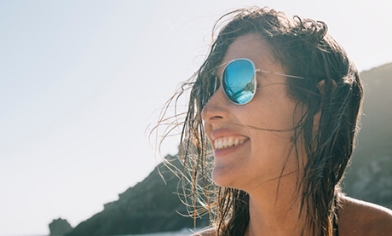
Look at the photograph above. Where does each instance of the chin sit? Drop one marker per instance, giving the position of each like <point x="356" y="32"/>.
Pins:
<point x="225" y="177"/>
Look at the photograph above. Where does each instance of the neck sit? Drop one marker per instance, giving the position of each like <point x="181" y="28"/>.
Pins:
<point x="274" y="208"/>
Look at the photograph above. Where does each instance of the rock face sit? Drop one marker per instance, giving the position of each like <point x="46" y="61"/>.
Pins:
<point x="150" y="206"/>
<point x="59" y="227"/>
<point x="370" y="175"/>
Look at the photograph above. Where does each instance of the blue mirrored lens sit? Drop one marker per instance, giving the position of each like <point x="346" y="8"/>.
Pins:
<point x="239" y="82"/>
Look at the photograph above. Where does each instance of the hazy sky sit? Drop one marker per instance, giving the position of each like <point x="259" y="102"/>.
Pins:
<point x="80" y="82"/>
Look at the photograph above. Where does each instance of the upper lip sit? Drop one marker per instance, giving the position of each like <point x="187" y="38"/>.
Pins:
<point x="219" y="133"/>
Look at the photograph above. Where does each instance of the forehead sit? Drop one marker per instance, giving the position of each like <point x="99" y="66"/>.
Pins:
<point x="253" y="47"/>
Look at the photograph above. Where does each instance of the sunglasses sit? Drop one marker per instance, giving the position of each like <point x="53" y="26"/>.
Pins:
<point x="239" y="81"/>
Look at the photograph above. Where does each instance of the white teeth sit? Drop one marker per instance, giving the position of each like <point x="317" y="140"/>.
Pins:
<point x="236" y="142"/>
<point x="225" y="142"/>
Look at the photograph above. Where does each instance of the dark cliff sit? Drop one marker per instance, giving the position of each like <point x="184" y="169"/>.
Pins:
<point x="150" y="206"/>
<point x="370" y="175"/>
<point x="59" y="227"/>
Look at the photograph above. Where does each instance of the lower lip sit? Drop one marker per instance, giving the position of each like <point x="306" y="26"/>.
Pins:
<point x="228" y="150"/>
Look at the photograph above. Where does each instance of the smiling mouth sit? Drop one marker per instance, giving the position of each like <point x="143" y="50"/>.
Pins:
<point x="225" y="142"/>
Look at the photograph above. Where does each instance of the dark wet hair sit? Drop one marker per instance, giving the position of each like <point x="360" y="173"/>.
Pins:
<point x="303" y="48"/>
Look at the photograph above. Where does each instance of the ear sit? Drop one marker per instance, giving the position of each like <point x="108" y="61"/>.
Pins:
<point x="316" y="118"/>
<point x="321" y="87"/>
<point x="316" y="122"/>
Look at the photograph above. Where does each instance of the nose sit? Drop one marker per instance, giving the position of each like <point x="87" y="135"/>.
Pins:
<point x="216" y="108"/>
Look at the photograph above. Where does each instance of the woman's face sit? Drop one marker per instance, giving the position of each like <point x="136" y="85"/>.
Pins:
<point x="262" y="129"/>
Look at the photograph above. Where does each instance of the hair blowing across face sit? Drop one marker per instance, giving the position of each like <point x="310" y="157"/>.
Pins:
<point x="332" y="90"/>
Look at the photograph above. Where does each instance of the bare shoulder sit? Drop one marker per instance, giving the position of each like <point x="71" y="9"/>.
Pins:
<point x="205" y="232"/>
<point x="363" y="218"/>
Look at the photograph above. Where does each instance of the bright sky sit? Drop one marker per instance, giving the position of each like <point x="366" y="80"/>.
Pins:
<point x="80" y="82"/>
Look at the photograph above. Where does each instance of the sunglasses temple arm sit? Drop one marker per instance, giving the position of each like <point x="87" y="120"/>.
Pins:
<point x="281" y="74"/>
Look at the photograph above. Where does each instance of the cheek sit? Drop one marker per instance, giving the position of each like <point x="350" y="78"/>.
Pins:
<point x="279" y="114"/>
<point x="279" y="121"/>
<point x="272" y="155"/>
<point x="272" y="144"/>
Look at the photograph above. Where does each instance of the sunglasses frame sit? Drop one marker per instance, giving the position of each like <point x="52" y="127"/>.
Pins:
<point x="219" y="79"/>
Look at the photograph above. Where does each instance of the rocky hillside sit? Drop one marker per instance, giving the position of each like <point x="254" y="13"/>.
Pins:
<point x="152" y="206"/>
<point x="370" y="175"/>
<point x="59" y="227"/>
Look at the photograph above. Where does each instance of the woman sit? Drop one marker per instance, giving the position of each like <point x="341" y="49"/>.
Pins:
<point x="276" y="103"/>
